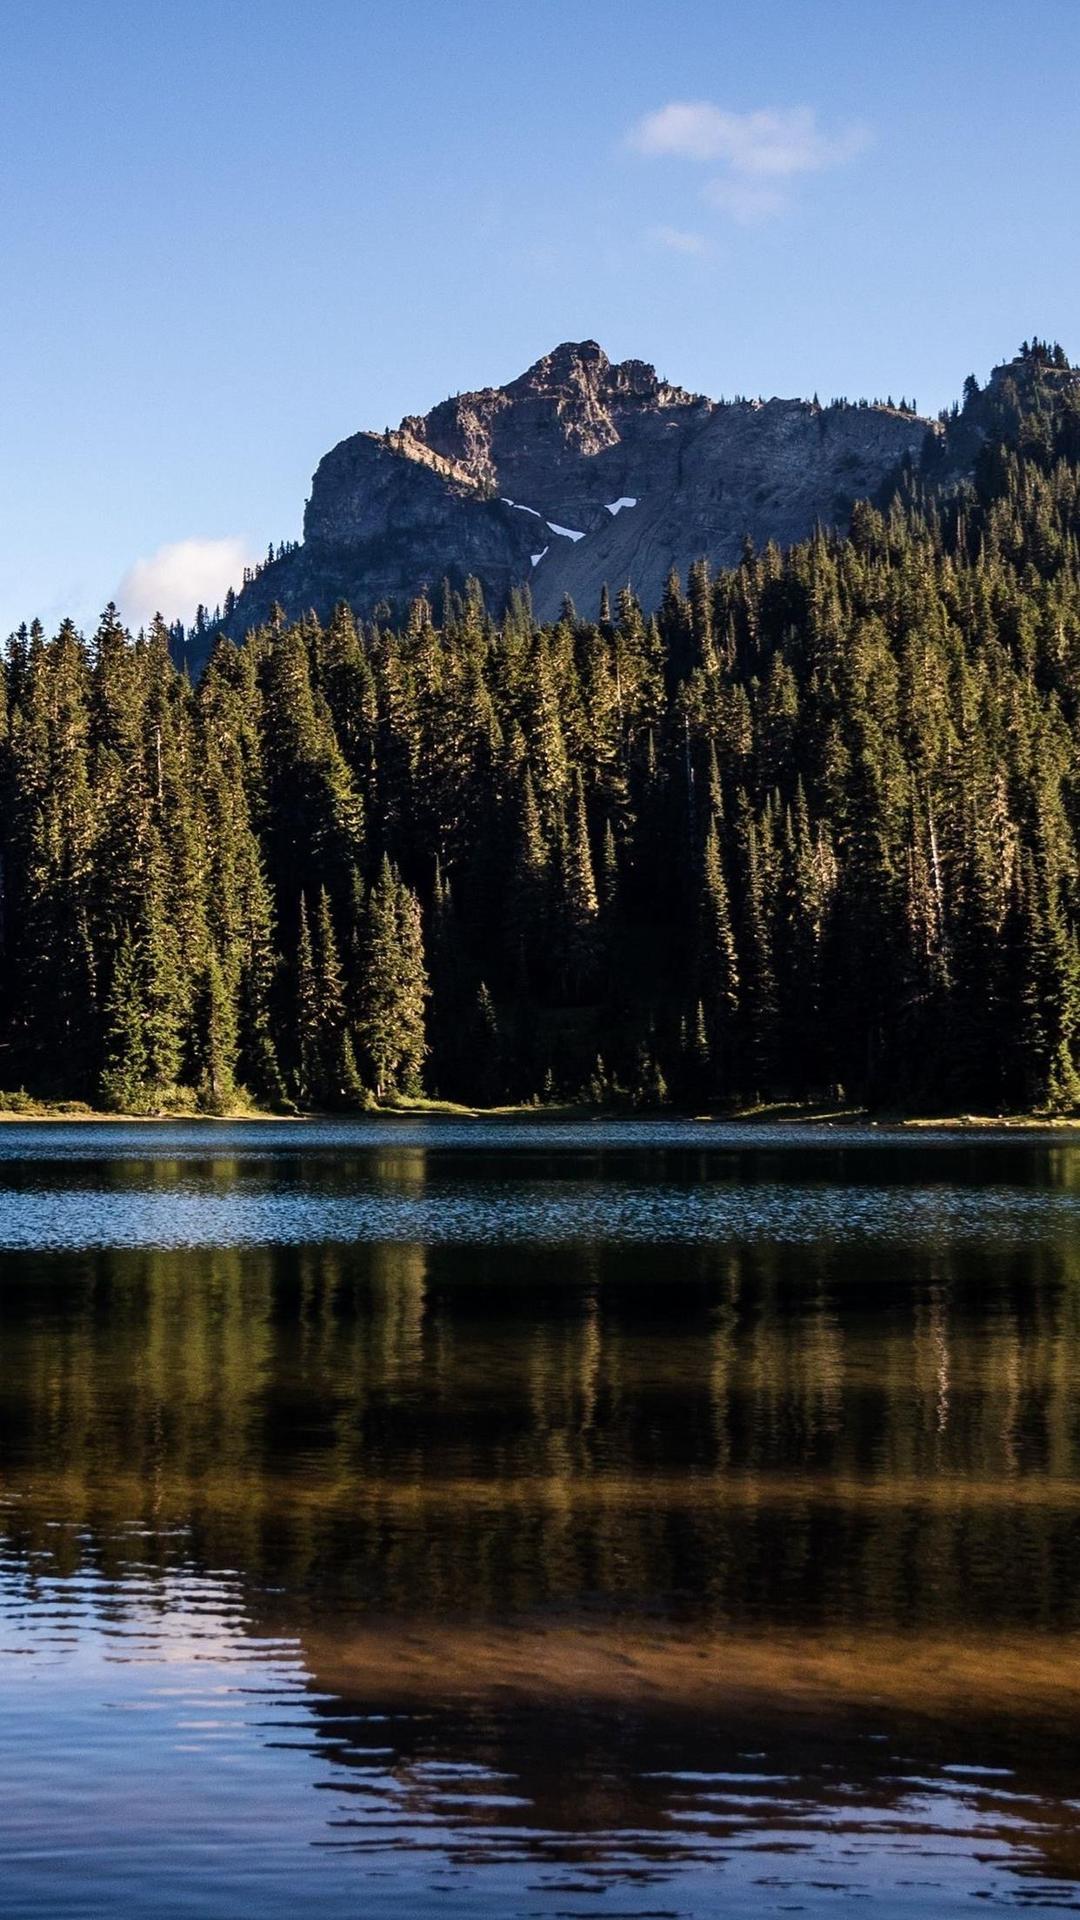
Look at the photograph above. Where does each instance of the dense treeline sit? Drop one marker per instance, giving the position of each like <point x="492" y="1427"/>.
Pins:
<point x="814" y="827"/>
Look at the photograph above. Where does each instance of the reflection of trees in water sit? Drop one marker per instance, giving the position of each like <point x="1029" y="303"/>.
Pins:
<point x="758" y="1450"/>
<point x="752" y="1432"/>
<point x="586" y="1776"/>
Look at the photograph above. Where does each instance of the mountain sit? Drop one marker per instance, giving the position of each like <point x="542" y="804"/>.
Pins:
<point x="586" y="472"/>
<point x="581" y="472"/>
<point x="810" y="828"/>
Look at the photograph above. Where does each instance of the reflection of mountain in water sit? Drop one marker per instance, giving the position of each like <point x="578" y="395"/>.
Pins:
<point x="424" y="1771"/>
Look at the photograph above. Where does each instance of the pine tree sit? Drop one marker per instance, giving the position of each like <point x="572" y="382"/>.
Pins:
<point x="164" y="993"/>
<point x="580" y="905"/>
<point x="1048" y="982"/>
<point x="717" y="965"/>
<point x="486" y="1076"/>
<point x="125" y="1079"/>
<point x="217" y="1040"/>
<point x="307" y="1051"/>
<point x="49" y="858"/>
<point x="394" y="987"/>
<point x="338" y="1083"/>
<point x="608" y="888"/>
<point x="758" y="979"/>
<point x="527" y="891"/>
<point x="412" y="991"/>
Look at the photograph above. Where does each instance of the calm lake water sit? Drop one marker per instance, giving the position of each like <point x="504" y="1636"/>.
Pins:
<point x="640" y="1519"/>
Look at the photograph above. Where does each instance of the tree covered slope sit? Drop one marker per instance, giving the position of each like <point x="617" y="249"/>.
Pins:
<point x="811" y="826"/>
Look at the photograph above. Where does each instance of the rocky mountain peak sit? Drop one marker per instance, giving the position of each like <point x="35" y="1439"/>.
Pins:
<point x="579" y="472"/>
<point x="574" y="364"/>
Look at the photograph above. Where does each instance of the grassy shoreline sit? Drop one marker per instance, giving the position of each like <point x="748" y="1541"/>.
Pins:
<point x="19" y="1109"/>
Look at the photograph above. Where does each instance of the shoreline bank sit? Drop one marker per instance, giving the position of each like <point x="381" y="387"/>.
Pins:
<point x="814" y="1119"/>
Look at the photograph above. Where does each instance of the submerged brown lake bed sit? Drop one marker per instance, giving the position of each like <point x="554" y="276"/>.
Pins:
<point x="639" y="1518"/>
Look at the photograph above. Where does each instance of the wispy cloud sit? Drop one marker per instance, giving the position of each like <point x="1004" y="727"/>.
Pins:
<point x="747" y="202"/>
<point x="678" y="240"/>
<point x="174" y="580"/>
<point x="760" y="153"/>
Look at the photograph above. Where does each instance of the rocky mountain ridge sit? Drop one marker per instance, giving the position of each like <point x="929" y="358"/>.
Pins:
<point x="580" y="472"/>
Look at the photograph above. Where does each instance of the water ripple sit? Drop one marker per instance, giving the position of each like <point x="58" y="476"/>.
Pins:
<point x="190" y="1214"/>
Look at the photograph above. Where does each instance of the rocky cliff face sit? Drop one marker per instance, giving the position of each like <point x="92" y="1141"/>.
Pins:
<point x="581" y="472"/>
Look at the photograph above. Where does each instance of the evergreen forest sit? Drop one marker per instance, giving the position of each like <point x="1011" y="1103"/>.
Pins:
<point x="810" y="831"/>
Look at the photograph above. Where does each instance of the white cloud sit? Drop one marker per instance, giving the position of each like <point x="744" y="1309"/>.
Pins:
<point x="774" y="143"/>
<point x="760" y="152"/>
<point x="678" y="240"/>
<point x="175" y="579"/>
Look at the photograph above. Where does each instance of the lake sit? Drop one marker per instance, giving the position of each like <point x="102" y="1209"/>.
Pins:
<point x="406" y="1518"/>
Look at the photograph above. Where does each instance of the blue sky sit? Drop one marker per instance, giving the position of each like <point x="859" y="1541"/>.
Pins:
<point x="232" y="233"/>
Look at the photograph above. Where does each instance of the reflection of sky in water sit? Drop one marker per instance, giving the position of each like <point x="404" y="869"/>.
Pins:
<point x="163" y="1759"/>
<point x="191" y="1213"/>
